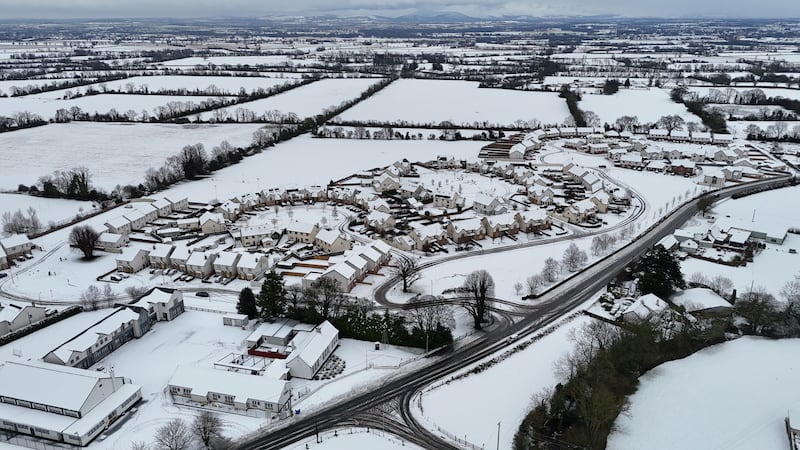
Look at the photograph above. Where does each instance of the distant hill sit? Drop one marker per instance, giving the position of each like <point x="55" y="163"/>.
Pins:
<point x="435" y="17"/>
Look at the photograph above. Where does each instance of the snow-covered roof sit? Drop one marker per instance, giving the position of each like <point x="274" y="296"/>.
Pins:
<point x="109" y="238"/>
<point x="87" y="338"/>
<point x="378" y="216"/>
<point x="427" y="231"/>
<point x="646" y="305"/>
<point x="739" y="236"/>
<point x="117" y="222"/>
<point x="367" y="252"/>
<point x="328" y="236"/>
<point x="300" y="227"/>
<point x="213" y="217"/>
<point x="198" y="258"/>
<point x="242" y="387"/>
<point x="161" y="250"/>
<point x="9" y="311"/>
<point x="668" y="242"/>
<point x="48" y="384"/>
<point x="129" y="255"/>
<point x="467" y="225"/>
<point x="181" y="252"/>
<point x="380" y="246"/>
<point x="227" y="259"/>
<point x="343" y="269"/>
<point x="250" y="261"/>
<point x="310" y="345"/>
<point x="698" y="299"/>
<point x="15" y="240"/>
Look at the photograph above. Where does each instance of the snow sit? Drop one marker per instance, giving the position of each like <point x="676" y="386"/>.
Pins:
<point x="308" y="100"/>
<point x="47" y="209"/>
<point x="114" y="153"/>
<point x="435" y="101"/>
<point x="523" y="375"/>
<point x="353" y="438"/>
<point x="698" y="299"/>
<point x="227" y="85"/>
<point x="733" y="396"/>
<point x="648" y="105"/>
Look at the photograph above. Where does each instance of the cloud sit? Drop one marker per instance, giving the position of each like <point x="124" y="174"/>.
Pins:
<point x="232" y="8"/>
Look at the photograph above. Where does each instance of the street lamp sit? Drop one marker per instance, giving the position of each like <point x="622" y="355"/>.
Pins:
<point x="498" y="435"/>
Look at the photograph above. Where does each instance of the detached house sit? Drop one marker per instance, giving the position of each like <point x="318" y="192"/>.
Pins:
<point x="330" y="241"/>
<point x="486" y="205"/>
<point x="302" y="232"/>
<point x="386" y="182"/>
<point x="212" y="223"/>
<point x="500" y="225"/>
<point x="133" y="260"/>
<point x="463" y="231"/>
<point x="160" y="304"/>
<point x="380" y="221"/>
<point x="580" y="211"/>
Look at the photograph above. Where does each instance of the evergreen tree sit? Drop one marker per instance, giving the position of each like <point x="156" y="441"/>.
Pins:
<point x="247" y="304"/>
<point x="660" y="273"/>
<point x="272" y="298"/>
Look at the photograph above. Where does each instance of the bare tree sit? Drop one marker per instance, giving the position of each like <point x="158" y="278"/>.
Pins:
<point x="206" y="426"/>
<point x="139" y="445"/>
<point x="428" y="317"/>
<point x="480" y="285"/>
<point x="534" y="282"/>
<point x="698" y="279"/>
<point x="90" y="298"/>
<point x="550" y="269"/>
<point x="108" y="294"/>
<point x="573" y="258"/>
<point x="721" y="285"/>
<point x="671" y="122"/>
<point x="518" y="288"/>
<point x="174" y="435"/>
<point x="84" y="238"/>
<point x="791" y="290"/>
<point x="135" y="292"/>
<point x="407" y="269"/>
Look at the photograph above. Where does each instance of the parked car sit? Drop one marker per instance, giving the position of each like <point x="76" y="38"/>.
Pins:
<point x="201" y="294"/>
<point x="3" y="275"/>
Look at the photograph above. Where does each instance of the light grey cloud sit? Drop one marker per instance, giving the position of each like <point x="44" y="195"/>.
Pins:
<point x="479" y="8"/>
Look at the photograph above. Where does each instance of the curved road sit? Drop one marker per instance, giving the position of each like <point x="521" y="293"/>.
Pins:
<point x="554" y="304"/>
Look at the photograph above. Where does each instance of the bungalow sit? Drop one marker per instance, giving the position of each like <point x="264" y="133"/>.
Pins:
<point x="310" y="350"/>
<point x="330" y="241"/>
<point x="500" y="225"/>
<point x="132" y="260"/>
<point x="212" y="223"/>
<point x="680" y="136"/>
<point x="252" y="265"/>
<point x="110" y="242"/>
<point x="380" y="221"/>
<point x="463" y="231"/>
<point x="225" y="264"/>
<point x="656" y="134"/>
<point x="15" y="315"/>
<point x="119" y="225"/>
<point x="244" y="393"/>
<point x="200" y="264"/>
<point x="178" y="258"/>
<point x="302" y="232"/>
<point x="656" y="166"/>
<point x="161" y="304"/>
<point x="701" y="300"/>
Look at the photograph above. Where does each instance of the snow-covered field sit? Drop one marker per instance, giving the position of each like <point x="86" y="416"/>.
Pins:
<point x="47" y="209"/>
<point x="353" y="438"/>
<point x="46" y="105"/>
<point x="648" y="105"/>
<point x="502" y="393"/>
<point x="768" y="91"/>
<point x="307" y="100"/>
<point x="423" y="101"/>
<point x="114" y="153"/>
<point x="226" y="85"/>
<point x="730" y="396"/>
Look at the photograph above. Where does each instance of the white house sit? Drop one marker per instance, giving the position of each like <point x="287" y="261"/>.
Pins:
<point x="200" y="264"/>
<point x="16" y="245"/>
<point x="256" y="236"/>
<point x="252" y="265"/>
<point x="161" y="304"/>
<point x="178" y="204"/>
<point x="311" y="349"/>
<point x="62" y="404"/>
<point x="211" y="223"/>
<point x="463" y="231"/>
<point x="225" y="264"/>
<point x="137" y="219"/>
<point x="119" y="225"/>
<point x="179" y="257"/>
<point x="380" y="221"/>
<point x="15" y="315"/>
<point x="343" y="274"/>
<point x="330" y="241"/>
<point x="488" y="205"/>
<point x="110" y="241"/>
<point x="132" y="260"/>
<point x="160" y="256"/>
<point x="162" y="206"/>
<point x="645" y="308"/>
<point x="386" y="182"/>
<point x="580" y="211"/>
<point x="302" y="232"/>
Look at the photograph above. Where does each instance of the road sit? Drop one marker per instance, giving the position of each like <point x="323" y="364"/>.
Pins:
<point x="551" y="306"/>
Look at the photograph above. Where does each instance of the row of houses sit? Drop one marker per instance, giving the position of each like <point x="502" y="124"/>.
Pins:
<point x="355" y="265"/>
<point x="242" y="265"/>
<point x="16" y="315"/>
<point x="144" y="212"/>
<point x="13" y="247"/>
<point x="695" y="137"/>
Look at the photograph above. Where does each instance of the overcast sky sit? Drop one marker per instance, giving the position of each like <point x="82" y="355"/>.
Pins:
<point x="47" y="9"/>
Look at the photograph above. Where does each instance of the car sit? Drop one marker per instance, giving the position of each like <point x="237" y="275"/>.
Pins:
<point x="512" y="337"/>
<point x="115" y="278"/>
<point x="201" y="294"/>
<point x="100" y="368"/>
<point x="3" y="275"/>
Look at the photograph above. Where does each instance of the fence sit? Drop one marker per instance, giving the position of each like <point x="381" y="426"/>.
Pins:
<point x="23" y="440"/>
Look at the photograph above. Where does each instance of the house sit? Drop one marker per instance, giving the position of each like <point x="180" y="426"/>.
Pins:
<point x="146" y="209"/>
<point x="119" y="225"/>
<point x="137" y="219"/>
<point x="275" y="332"/>
<point x="386" y="183"/>
<point x="463" y="231"/>
<point x="631" y="160"/>
<point x="228" y="390"/>
<point x="656" y="134"/>
<point x="426" y="235"/>
<point x="615" y="154"/>
<point x="598" y="149"/>
<point x="212" y="223"/>
<point x="235" y="320"/>
<point x="725" y="155"/>
<point x="580" y="211"/>
<point x="162" y="206"/>
<point x="258" y="236"/>
<point x="701" y="300"/>
<point x="16" y="315"/>
<point x="682" y="167"/>
<point x="652" y="153"/>
<point x="533" y="220"/>
<point x="62" y="404"/>
<point x="488" y="205"/>
<point x="601" y="200"/>
<point x="448" y="200"/>
<point x="343" y="274"/>
<point x="161" y="304"/>
<point x="732" y="173"/>
<point x="646" y="308"/>
<point x="591" y="182"/>
<point x="656" y="166"/>
<point x="225" y="264"/>
<point x="380" y="221"/>
<point x="500" y="225"/>
<point x="230" y="210"/>
<point x="713" y="178"/>
<point x="3" y="259"/>
<point x="330" y="241"/>
<point x="178" y="204"/>
<point x="310" y="350"/>
<point x="188" y="224"/>
<point x="722" y="138"/>
<point x="359" y="264"/>
<point x="371" y="256"/>
<point x="383" y="249"/>
<point x="252" y="265"/>
<point x="133" y="260"/>
<point x="689" y="246"/>
<point x="100" y="339"/>
<point x="110" y="242"/>
<point x="302" y="232"/>
<point x="701" y="137"/>
<point x="159" y="256"/>
<point x="179" y="256"/>
<point x="680" y="136"/>
<point x="200" y="264"/>
<point x="379" y="204"/>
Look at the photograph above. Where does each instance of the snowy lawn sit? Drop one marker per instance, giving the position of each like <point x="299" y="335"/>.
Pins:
<point x="730" y="396"/>
<point x="307" y="100"/>
<point x="459" y="102"/>
<point x="504" y="392"/>
<point x="47" y="209"/>
<point x="353" y="439"/>
<point x="646" y="104"/>
<point x="114" y="153"/>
